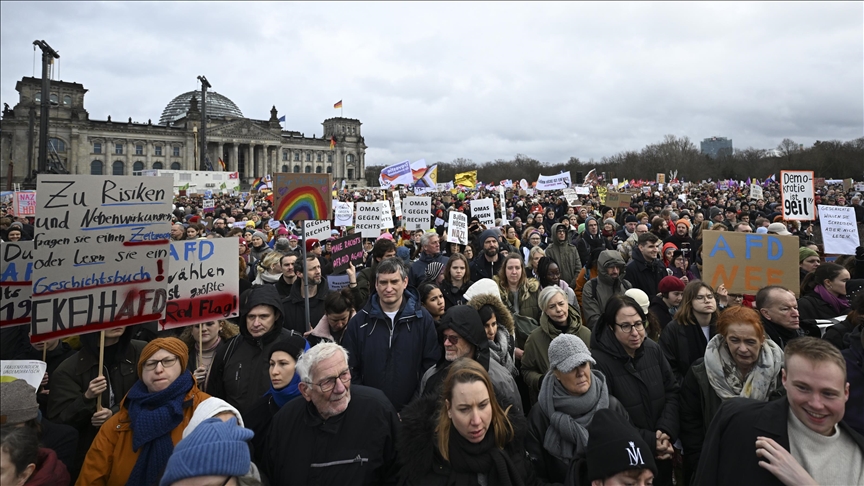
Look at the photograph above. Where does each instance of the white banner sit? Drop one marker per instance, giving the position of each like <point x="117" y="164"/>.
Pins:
<point x="839" y="230"/>
<point x="796" y="190"/>
<point x="502" y="203"/>
<point x="344" y="213"/>
<point x="317" y="229"/>
<point x="16" y="267"/>
<point x="101" y="253"/>
<point x="386" y="215"/>
<point x="417" y="213"/>
<point x="484" y="210"/>
<point x="397" y="203"/>
<point x="755" y="191"/>
<point x="457" y="228"/>
<point x="208" y="204"/>
<point x="203" y="282"/>
<point x="582" y="190"/>
<point x="419" y="191"/>
<point x="368" y="220"/>
<point x="550" y="183"/>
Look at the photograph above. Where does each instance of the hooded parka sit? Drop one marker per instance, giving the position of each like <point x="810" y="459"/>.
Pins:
<point x="600" y="289"/>
<point x="565" y="254"/>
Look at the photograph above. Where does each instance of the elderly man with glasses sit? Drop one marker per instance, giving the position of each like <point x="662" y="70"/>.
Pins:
<point x="340" y="434"/>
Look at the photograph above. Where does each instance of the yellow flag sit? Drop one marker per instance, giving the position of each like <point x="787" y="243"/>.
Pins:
<point x="466" y="179"/>
<point x="601" y="193"/>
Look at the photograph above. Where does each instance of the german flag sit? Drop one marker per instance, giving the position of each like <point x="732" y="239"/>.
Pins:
<point x="332" y="142"/>
<point x="222" y="164"/>
<point x="338" y="104"/>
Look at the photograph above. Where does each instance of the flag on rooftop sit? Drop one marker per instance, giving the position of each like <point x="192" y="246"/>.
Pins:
<point x="338" y="104"/>
<point x="281" y="118"/>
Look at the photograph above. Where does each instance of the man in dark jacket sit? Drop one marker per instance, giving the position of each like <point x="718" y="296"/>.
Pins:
<point x="778" y="309"/>
<point x="431" y="245"/>
<point x="294" y="306"/>
<point x="241" y="373"/>
<point x="347" y="431"/>
<point x="681" y="238"/>
<point x="772" y="443"/>
<point x="564" y="253"/>
<point x="488" y="260"/>
<point x="391" y="342"/>
<point x="645" y="270"/>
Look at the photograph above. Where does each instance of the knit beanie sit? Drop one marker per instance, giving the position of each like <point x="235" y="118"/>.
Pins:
<point x="640" y="297"/>
<point x="805" y="253"/>
<point x="683" y="221"/>
<point x="567" y="352"/>
<point x="670" y="284"/>
<point x="615" y="446"/>
<point x="294" y="345"/>
<point x="282" y="245"/>
<point x="17" y="402"/>
<point x="259" y="234"/>
<point x="214" y="448"/>
<point x="208" y="409"/>
<point x="171" y="344"/>
<point x="489" y="233"/>
<point x="433" y="269"/>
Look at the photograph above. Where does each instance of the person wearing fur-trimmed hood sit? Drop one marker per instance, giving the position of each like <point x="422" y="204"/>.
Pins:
<point x="500" y="331"/>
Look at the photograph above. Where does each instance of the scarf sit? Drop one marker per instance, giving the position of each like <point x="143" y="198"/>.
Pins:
<point x="514" y="242"/>
<point x="726" y="380"/>
<point x="500" y="351"/>
<point x="153" y="416"/>
<point x="467" y="460"/>
<point x="267" y="278"/>
<point x="569" y="415"/>
<point x="840" y="304"/>
<point x="286" y="393"/>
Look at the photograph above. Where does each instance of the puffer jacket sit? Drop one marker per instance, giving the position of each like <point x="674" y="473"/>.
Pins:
<point x="535" y="361"/>
<point x="565" y="254"/>
<point x="49" y="470"/>
<point x="453" y="295"/>
<point x="241" y="373"/>
<point x="644" y="275"/>
<point x="598" y="290"/>
<point x="506" y="329"/>
<point x="528" y="306"/>
<point x="392" y="356"/>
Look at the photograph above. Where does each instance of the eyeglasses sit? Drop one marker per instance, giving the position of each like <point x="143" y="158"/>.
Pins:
<point x="452" y="339"/>
<point x="330" y="383"/>
<point x="704" y="298"/>
<point x="166" y="363"/>
<point x="628" y="328"/>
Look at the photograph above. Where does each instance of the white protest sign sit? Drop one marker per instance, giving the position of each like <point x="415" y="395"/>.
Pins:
<point x="417" y="213"/>
<point x="551" y="183"/>
<point x="439" y="222"/>
<point x="572" y="197"/>
<point x="238" y="224"/>
<point x="30" y="370"/>
<point x="101" y="253"/>
<point x="419" y="191"/>
<point x="386" y="216"/>
<point x="274" y="224"/>
<point x="208" y="204"/>
<point x="484" y="210"/>
<point x="503" y="204"/>
<point x="839" y="230"/>
<point x="368" y="220"/>
<point x="317" y="229"/>
<point x="755" y="191"/>
<point x="397" y="204"/>
<point x="16" y="267"/>
<point x="344" y="213"/>
<point x="25" y="203"/>
<point x="338" y="282"/>
<point x="582" y="190"/>
<point x="203" y="282"/>
<point x="796" y="191"/>
<point x="457" y="228"/>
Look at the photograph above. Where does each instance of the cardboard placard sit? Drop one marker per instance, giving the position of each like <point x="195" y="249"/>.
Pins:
<point x="101" y="253"/>
<point x="345" y="250"/>
<point x="417" y="213"/>
<point x="16" y="287"/>
<point x="746" y="262"/>
<point x="618" y="199"/>
<point x="386" y="214"/>
<point x="298" y="197"/>
<point x="208" y="204"/>
<point x="457" y="228"/>
<point x="368" y="220"/>
<point x="660" y="178"/>
<point x="397" y="204"/>
<point x="338" y="282"/>
<point x="484" y="210"/>
<point x="25" y="203"/>
<point x="796" y="191"/>
<point x="319" y="230"/>
<point x="572" y="197"/>
<point x="839" y="229"/>
<point x="344" y="213"/>
<point x="755" y="191"/>
<point x="203" y="282"/>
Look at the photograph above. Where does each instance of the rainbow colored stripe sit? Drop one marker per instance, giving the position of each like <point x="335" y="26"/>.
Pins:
<point x="301" y="204"/>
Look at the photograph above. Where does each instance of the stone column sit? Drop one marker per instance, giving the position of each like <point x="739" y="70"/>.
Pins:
<point x="233" y="165"/>
<point x="220" y="155"/>
<point x="250" y="163"/>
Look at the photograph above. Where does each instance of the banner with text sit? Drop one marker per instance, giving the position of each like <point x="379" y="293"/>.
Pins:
<point x="417" y="213"/>
<point x="368" y="220"/>
<point x="551" y="183"/>
<point x="484" y="210"/>
<point x="16" y="268"/>
<point x="344" y="213"/>
<point x="298" y="197"/>
<point x="796" y="191"/>
<point x="25" y="203"/>
<point x="457" y="228"/>
<point x="345" y="250"/>
<point x="386" y="215"/>
<point x="319" y="230"/>
<point x="746" y="262"/>
<point x="101" y="253"/>
<point x="839" y="230"/>
<point x="393" y="175"/>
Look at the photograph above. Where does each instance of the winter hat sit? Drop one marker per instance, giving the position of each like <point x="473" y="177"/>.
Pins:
<point x="761" y="230"/>
<point x="208" y="409"/>
<point x="684" y="221"/>
<point x="171" y="344"/>
<point x="567" y="352"/>
<point x="640" y="297"/>
<point x="17" y="402"/>
<point x="215" y="448"/>
<point x="293" y="237"/>
<point x="465" y="321"/>
<point x="778" y="228"/>
<point x="283" y="231"/>
<point x="282" y="245"/>
<point x="433" y="270"/>
<point x="615" y="446"/>
<point x="250" y="224"/>
<point x="294" y="345"/>
<point x="805" y="253"/>
<point x="670" y="284"/>
<point x="310" y="244"/>
<point x="17" y="225"/>
<point x="195" y="219"/>
<point x="259" y="234"/>
<point x="631" y="219"/>
<point x="484" y="286"/>
<point x="489" y="233"/>
<point x="715" y="211"/>
<point x="385" y="236"/>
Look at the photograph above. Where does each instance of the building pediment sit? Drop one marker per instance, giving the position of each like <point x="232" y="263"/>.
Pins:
<point x="242" y="130"/>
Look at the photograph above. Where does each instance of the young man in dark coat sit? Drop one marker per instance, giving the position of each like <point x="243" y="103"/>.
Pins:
<point x="294" y="306"/>
<point x="645" y="270"/>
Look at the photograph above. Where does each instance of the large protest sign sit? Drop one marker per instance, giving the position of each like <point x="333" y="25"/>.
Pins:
<point x="553" y="182"/>
<point x="618" y="199"/>
<point x="572" y="197"/>
<point x="755" y="191"/>
<point x="796" y="191"/>
<point x="101" y="250"/>
<point x="386" y="215"/>
<point x="16" y="268"/>
<point x="299" y="197"/>
<point x="344" y="213"/>
<point x="457" y="228"/>
<point x="25" y="203"/>
<point x="484" y="210"/>
<point x="319" y="230"/>
<point x="746" y="262"/>
<point x="29" y="370"/>
<point x="368" y="220"/>
<point x="502" y="205"/>
<point x="203" y="283"/>
<point x="417" y="213"/>
<point x="393" y="175"/>
<point x="839" y="230"/>
<point x="582" y="190"/>
<point x="208" y="204"/>
<point x="345" y="250"/>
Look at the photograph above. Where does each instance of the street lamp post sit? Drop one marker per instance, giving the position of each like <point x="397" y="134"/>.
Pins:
<point x="202" y="133"/>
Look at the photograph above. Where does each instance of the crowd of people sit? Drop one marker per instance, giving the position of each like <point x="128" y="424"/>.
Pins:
<point x="569" y="343"/>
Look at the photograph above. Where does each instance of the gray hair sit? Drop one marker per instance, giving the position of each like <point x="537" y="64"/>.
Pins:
<point x="547" y="294"/>
<point x="316" y="354"/>
<point x="391" y="265"/>
<point x="424" y="240"/>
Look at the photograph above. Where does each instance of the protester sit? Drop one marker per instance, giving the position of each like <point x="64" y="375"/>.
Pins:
<point x="608" y="283"/>
<point x="778" y="310"/>
<point x="645" y="270"/>
<point x="382" y="250"/>
<point x="488" y="261"/>
<point x="431" y="245"/>
<point x="549" y="273"/>
<point x="315" y="285"/>
<point x="518" y="292"/>
<point x="216" y="450"/>
<point x="564" y="253"/>
<point x="499" y="328"/>
<point x="457" y="280"/>
<point x="823" y="293"/>
<point x="24" y="463"/>
<point x="432" y="299"/>
<point x="665" y="304"/>
<point x="53" y="352"/>
<point x="808" y="261"/>
<point x="684" y="339"/>
<point x="205" y="341"/>
<point x="338" y="311"/>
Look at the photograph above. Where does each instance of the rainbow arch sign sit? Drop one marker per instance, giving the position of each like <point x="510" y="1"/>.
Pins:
<point x="301" y="196"/>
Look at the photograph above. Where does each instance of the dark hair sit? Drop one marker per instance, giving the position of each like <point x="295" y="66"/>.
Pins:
<point x="825" y="271"/>
<point x="543" y="269"/>
<point x="426" y="289"/>
<point x="648" y="238"/>
<point x="615" y="304"/>
<point x="381" y="248"/>
<point x="684" y="315"/>
<point x="22" y="445"/>
<point x="453" y="257"/>
<point x="338" y="302"/>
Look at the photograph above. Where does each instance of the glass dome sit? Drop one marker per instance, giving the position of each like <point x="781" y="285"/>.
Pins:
<point x="217" y="106"/>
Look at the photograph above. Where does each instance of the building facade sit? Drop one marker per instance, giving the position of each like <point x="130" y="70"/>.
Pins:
<point x="716" y="147"/>
<point x="254" y="148"/>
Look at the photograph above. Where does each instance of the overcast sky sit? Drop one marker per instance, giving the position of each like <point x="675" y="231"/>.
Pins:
<point x="476" y="80"/>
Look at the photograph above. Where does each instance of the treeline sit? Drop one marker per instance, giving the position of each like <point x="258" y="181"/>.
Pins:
<point x="829" y="159"/>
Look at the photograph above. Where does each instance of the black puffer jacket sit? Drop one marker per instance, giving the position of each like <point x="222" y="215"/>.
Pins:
<point x="812" y="306"/>
<point x="684" y="344"/>
<point x="240" y="374"/>
<point x="453" y="295"/>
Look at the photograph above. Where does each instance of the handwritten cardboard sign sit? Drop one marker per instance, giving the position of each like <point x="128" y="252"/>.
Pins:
<point x="101" y="249"/>
<point x="25" y="203"/>
<point x="618" y="199"/>
<point x="386" y="215"/>
<point x="348" y="249"/>
<point x="368" y="220"/>
<point x="796" y="190"/>
<point x="319" y="230"/>
<point x="344" y="213"/>
<point x="16" y="268"/>
<point x="417" y="212"/>
<point x="203" y="282"/>
<point x="839" y="230"/>
<point x="457" y="228"/>
<point x="746" y="262"/>
<point x="484" y="210"/>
